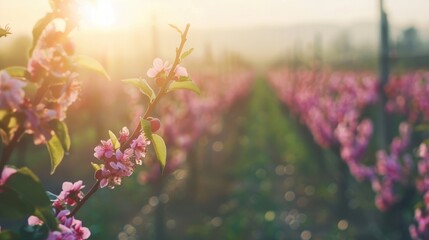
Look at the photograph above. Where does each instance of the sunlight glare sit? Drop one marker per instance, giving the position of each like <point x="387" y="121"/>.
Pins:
<point x="99" y="14"/>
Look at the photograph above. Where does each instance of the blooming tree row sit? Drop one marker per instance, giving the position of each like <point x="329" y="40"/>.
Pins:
<point x="332" y="106"/>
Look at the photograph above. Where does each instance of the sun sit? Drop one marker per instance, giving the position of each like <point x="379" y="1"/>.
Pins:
<point x="99" y="14"/>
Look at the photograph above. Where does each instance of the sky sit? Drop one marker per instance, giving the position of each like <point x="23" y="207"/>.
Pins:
<point x="130" y="17"/>
<point x="20" y="15"/>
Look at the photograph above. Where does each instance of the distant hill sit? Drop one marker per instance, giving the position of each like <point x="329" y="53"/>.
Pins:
<point x="264" y="44"/>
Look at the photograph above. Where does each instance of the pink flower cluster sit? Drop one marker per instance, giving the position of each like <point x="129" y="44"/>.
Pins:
<point x="69" y="196"/>
<point x="420" y="229"/>
<point x="353" y="137"/>
<point x="118" y="163"/>
<point x="407" y="95"/>
<point x="51" y="70"/>
<point x="69" y="227"/>
<point x="161" y="69"/>
<point x="392" y="168"/>
<point x="51" y="67"/>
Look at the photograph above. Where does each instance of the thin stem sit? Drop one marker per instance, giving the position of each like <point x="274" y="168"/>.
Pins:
<point x="163" y="89"/>
<point x="7" y="152"/>
<point x="94" y="188"/>
<point x="161" y="93"/>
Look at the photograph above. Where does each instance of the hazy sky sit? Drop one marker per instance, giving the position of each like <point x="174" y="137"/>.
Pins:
<point x="21" y="14"/>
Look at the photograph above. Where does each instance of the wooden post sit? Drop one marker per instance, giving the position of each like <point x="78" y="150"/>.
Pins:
<point x="382" y="125"/>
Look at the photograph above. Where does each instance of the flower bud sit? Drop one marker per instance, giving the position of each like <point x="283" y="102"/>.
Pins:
<point x="155" y="124"/>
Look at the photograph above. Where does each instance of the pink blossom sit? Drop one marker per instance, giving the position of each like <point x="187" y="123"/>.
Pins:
<point x="33" y="221"/>
<point x="69" y="96"/>
<point x="11" y="93"/>
<point x="71" y="193"/>
<point x="7" y="172"/>
<point x="36" y="123"/>
<point x="158" y="68"/>
<point x="122" y="166"/>
<point x="117" y="163"/>
<point x="139" y="145"/>
<point x="423" y="151"/>
<point x="124" y="134"/>
<point x="180" y="72"/>
<point x="103" y="176"/>
<point x="109" y="177"/>
<point x="385" y="199"/>
<point x="69" y="228"/>
<point x="105" y="150"/>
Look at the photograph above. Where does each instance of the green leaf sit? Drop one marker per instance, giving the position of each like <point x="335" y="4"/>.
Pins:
<point x="11" y="205"/>
<point x="96" y="166"/>
<point x="176" y="28"/>
<point x="38" y="29"/>
<point x="157" y="141"/>
<point x="31" y="192"/>
<point x="114" y="139"/>
<point x="17" y="72"/>
<point x="189" y="85"/>
<point x="184" y="79"/>
<point x="52" y="197"/>
<point x="62" y="132"/>
<point x="187" y="53"/>
<point x="160" y="149"/>
<point x="28" y="186"/>
<point x="89" y="63"/>
<point x="146" y="126"/>
<point x="143" y="86"/>
<point x="56" y="152"/>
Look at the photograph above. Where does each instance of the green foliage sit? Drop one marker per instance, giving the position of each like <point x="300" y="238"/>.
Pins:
<point x="160" y="149"/>
<point x="189" y="85"/>
<point x="51" y="196"/>
<point x="12" y="207"/>
<point x="96" y="166"/>
<point x="186" y="54"/>
<point x="157" y="141"/>
<point x="8" y="123"/>
<point x="56" y="152"/>
<point x="143" y="86"/>
<point x="83" y="62"/>
<point x="114" y="140"/>
<point x="146" y="126"/>
<point x="24" y="195"/>
<point x="61" y="131"/>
